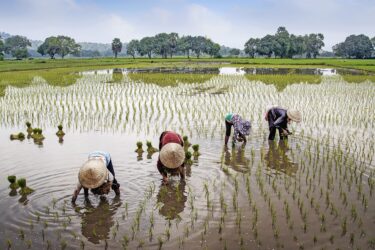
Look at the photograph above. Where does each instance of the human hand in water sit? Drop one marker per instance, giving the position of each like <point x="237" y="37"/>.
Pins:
<point x="286" y="132"/>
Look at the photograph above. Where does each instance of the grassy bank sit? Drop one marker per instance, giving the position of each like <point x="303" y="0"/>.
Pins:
<point x="80" y="64"/>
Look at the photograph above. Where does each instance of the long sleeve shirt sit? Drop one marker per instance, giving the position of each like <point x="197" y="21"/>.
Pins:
<point x="277" y="117"/>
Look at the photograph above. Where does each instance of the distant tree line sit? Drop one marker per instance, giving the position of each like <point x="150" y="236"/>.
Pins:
<point x="285" y="45"/>
<point x="359" y="46"/>
<point x="167" y="45"/>
<point x="15" y="46"/>
<point x="280" y="45"/>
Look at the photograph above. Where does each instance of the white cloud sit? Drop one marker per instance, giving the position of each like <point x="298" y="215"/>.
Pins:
<point x="232" y="25"/>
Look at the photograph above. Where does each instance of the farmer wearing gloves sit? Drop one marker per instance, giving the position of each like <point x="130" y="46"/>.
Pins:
<point x="171" y="156"/>
<point x="278" y="118"/>
<point x="98" y="175"/>
<point x="241" y="128"/>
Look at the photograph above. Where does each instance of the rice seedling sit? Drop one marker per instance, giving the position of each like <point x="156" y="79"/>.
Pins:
<point x="25" y="190"/>
<point x="188" y="160"/>
<point x="150" y="148"/>
<point x="60" y="132"/>
<point x="9" y="243"/>
<point x="19" y="136"/>
<point x="21" y="234"/>
<point x="139" y="149"/>
<point x="13" y="183"/>
<point x="196" y="152"/>
<point x="187" y="144"/>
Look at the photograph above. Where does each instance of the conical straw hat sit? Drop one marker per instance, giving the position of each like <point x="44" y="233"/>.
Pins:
<point x="294" y="115"/>
<point x="93" y="173"/>
<point x="172" y="155"/>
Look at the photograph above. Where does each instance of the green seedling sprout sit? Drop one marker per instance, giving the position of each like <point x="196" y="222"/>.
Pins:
<point x="29" y="243"/>
<point x="196" y="150"/>
<point x="29" y="128"/>
<point x="150" y="148"/>
<point x="25" y="190"/>
<point x="188" y="160"/>
<point x="139" y="149"/>
<point x="20" y="136"/>
<point x="37" y="134"/>
<point x="12" y="180"/>
<point x="187" y="144"/>
<point x="60" y="132"/>
<point x="9" y="244"/>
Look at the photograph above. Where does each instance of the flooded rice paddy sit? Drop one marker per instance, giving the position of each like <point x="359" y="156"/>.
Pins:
<point x="314" y="191"/>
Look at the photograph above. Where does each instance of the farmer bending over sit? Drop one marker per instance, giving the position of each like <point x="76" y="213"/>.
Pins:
<point x="278" y="118"/>
<point x="98" y="175"/>
<point x="241" y="128"/>
<point x="171" y="156"/>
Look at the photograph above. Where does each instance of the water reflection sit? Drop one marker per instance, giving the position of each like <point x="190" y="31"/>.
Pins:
<point x="171" y="199"/>
<point x="277" y="158"/>
<point x="97" y="221"/>
<point x="13" y="192"/>
<point x="236" y="159"/>
<point x="61" y="139"/>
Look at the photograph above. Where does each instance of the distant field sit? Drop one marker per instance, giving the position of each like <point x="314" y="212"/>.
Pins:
<point x="7" y="65"/>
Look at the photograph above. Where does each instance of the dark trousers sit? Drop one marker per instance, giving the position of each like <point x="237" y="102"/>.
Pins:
<point x="110" y="169"/>
<point x="273" y="129"/>
<point x="273" y="133"/>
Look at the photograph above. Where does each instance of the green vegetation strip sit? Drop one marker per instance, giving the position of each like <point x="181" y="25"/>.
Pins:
<point x="169" y="79"/>
<point x="97" y="63"/>
<point x="358" y="78"/>
<point x="282" y="81"/>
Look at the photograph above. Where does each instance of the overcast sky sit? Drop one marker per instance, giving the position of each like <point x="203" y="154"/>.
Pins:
<point x="228" y="22"/>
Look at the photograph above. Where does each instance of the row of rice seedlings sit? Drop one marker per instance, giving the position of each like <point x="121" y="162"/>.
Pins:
<point x="81" y="99"/>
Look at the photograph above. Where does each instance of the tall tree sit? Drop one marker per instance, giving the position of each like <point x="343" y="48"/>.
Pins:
<point x="161" y="44"/>
<point x="339" y="50"/>
<point x="212" y="48"/>
<point x="234" y="52"/>
<point x="51" y="47"/>
<point x="185" y="45"/>
<point x="17" y="46"/>
<point x="282" y="42"/>
<point x="266" y="46"/>
<point x="359" y="46"/>
<point x="297" y="46"/>
<point x="146" y="46"/>
<point x="313" y="43"/>
<point x="116" y="46"/>
<point x="199" y="45"/>
<point x="132" y="48"/>
<point x="1" y="49"/>
<point x="172" y="43"/>
<point x="251" y="46"/>
<point x="68" y="46"/>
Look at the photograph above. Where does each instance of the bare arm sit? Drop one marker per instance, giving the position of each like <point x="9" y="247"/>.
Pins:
<point x="76" y="192"/>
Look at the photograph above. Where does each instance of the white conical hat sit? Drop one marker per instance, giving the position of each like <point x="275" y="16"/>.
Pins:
<point x="93" y="173"/>
<point x="294" y="115"/>
<point x="172" y="155"/>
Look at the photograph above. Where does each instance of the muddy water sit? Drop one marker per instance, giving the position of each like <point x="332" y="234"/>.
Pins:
<point x="314" y="191"/>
